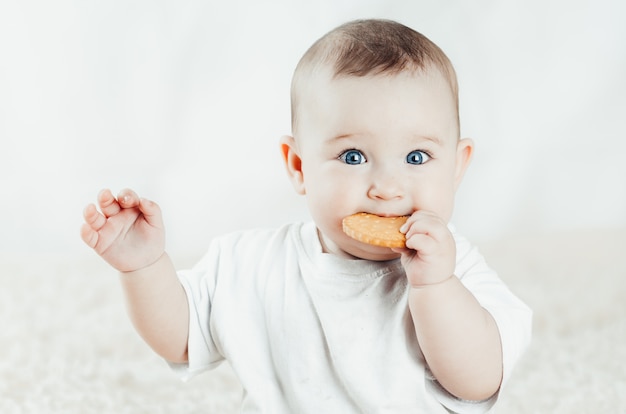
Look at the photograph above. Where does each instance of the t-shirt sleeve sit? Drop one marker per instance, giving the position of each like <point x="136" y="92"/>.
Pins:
<point x="454" y="404"/>
<point x="200" y="284"/>
<point x="513" y="319"/>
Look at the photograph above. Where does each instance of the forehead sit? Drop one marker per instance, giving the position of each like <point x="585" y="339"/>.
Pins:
<point x="413" y="99"/>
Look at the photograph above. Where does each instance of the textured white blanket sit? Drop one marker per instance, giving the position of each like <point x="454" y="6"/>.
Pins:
<point x="66" y="345"/>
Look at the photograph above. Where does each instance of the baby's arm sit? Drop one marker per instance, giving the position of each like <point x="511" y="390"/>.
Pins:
<point x="458" y="337"/>
<point x="128" y="233"/>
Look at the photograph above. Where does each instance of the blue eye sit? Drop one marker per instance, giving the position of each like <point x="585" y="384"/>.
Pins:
<point x="417" y="157"/>
<point x="352" y="157"/>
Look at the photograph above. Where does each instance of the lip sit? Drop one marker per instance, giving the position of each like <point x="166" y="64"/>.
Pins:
<point x="386" y="215"/>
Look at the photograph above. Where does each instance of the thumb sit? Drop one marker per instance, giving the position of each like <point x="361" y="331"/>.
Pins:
<point x="151" y="212"/>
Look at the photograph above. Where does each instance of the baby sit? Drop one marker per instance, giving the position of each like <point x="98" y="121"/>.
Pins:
<point x="310" y="319"/>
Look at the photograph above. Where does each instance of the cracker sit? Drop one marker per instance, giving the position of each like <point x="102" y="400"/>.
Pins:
<point x="375" y="230"/>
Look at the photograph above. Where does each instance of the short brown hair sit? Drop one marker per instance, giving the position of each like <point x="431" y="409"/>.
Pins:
<point x="372" y="47"/>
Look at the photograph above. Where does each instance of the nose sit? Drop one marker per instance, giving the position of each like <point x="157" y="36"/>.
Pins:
<point x="385" y="185"/>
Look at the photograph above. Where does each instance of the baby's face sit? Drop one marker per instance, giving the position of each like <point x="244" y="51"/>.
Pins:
<point x="386" y="145"/>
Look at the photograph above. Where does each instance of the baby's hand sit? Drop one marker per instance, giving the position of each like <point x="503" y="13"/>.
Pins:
<point x="127" y="232"/>
<point x="430" y="253"/>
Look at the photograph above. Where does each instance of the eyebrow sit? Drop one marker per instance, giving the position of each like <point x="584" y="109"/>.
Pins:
<point x="433" y="139"/>
<point x="340" y="137"/>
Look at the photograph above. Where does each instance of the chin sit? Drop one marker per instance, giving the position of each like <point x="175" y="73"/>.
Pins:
<point x="346" y="247"/>
<point x="373" y="253"/>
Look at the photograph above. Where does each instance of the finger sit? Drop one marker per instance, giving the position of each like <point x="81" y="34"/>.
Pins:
<point x="93" y="218"/>
<point x="421" y="243"/>
<point x="127" y="198"/>
<point x="426" y="224"/>
<point x="151" y="212"/>
<point x="108" y="204"/>
<point x="89" y="235"/>
<point x="401" y="250"/>
<point x="417" y="216"/>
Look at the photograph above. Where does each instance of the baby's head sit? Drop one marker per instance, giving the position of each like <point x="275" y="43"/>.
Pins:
<point x="369" y="48"/>
<point x="375" y="129"/>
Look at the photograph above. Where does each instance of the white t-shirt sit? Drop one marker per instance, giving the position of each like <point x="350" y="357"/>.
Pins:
<point x="310" y="332"/>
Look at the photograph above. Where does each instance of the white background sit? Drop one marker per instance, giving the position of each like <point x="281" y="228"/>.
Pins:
<point x="184" y="101"/>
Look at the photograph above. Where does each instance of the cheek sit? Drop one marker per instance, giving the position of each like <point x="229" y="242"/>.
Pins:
<point x="446" y="197"/>
<point x="436" y="191"/>
<point x="324" y="180"/>
<point x="330" y="195"/>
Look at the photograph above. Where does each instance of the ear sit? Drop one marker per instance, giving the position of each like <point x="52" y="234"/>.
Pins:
<point x="464" y="152"/>
<point x="293" y="163"/>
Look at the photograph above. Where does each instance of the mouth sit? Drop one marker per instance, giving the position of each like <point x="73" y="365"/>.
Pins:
<point x="385" y="215"/>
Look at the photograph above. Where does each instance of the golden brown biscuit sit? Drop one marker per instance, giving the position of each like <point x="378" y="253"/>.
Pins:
<point x="375" y="230"/>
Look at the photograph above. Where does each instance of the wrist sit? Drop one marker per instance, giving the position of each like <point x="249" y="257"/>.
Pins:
<point x="428" y="285"/>
<point x="149" y="267"/>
